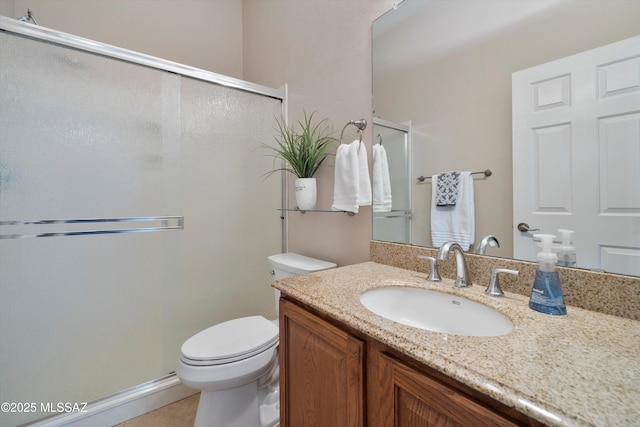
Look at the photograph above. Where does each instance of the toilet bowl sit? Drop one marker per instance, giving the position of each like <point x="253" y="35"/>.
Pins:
<point x="235" y="363"/>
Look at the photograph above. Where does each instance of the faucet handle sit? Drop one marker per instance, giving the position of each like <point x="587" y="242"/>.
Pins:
<point x="494" y="284"/>
<point x="433" y="273"/>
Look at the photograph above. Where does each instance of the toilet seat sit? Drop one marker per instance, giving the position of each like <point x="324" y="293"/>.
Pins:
<point x="230" y="341"/>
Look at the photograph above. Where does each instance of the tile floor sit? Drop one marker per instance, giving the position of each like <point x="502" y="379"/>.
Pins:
<point x="178" y="414"/>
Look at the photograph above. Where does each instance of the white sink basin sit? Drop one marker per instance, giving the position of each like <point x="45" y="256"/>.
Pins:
<point x="435" y="311"/>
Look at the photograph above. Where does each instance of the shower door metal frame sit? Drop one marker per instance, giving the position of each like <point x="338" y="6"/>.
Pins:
<point x="69" y="40"/>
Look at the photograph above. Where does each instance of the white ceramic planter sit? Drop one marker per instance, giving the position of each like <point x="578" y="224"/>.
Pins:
<point x="306" y="193"/>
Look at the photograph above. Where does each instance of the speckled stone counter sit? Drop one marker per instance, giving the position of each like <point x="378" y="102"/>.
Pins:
<point x="606" y="293"/>
<point x="582" y="369"/>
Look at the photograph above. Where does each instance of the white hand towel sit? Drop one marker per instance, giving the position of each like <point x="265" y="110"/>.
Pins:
<point x="352" y="185"/>
<point x="454" y="223"/>
<point x="382" y="199"/>
<point x="346" y="179"/>
<point x="364" y="184"/>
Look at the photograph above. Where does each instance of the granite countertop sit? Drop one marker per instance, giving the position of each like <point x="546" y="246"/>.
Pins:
<point x="582" y="369"/>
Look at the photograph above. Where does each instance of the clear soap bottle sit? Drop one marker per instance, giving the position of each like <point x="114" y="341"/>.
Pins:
<point x="546" y="294"/>
<point x="566" y="251"/>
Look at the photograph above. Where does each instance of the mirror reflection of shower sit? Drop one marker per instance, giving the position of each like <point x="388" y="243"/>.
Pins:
<point x="28" y="17"/>
<point x="393" y="222"/>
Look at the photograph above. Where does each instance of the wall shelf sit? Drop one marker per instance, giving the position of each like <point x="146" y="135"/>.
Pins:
<point x="317" y="210"/>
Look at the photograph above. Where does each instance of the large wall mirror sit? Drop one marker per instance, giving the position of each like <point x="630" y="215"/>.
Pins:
<point x="445" y="67"/>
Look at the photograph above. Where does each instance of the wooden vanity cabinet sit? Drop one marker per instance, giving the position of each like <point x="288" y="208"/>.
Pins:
<point x="331" y="378"/>
<point x="405" y="397"/>
<point x="322" y="372"/>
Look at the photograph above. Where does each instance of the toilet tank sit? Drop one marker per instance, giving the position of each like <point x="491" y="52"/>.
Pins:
<point x="290" y="264"/>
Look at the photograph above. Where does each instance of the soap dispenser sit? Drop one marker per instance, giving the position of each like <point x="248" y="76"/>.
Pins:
<point x="566" y="251"/>
<point x="546" y="294"/>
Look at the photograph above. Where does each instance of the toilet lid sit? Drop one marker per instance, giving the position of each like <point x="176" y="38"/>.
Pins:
<point x="230" y="341"/>
<point x="299" y="264"/>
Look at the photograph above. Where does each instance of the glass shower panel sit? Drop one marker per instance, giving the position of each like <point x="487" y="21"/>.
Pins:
<point x="79" y="317"/>
<point x="232" y="222"/>
<point x="92" y="149"/>
<point x="82" y="136"/>
<point x="395" y="225"/>
<point x="91" y="127"/>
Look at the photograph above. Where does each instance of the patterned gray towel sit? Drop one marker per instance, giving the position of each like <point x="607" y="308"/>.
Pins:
<point x="447" y="188"/>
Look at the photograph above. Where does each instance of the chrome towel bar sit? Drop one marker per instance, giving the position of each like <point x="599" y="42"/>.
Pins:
<point x="484" y="172"/>
<point x="165" y="223"/>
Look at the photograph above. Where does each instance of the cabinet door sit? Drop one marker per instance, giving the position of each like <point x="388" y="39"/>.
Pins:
<point x="408" y="398"/>
<point x="321" y="372"/>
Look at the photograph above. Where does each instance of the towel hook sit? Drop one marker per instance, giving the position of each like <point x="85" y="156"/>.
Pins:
<point x="380" y="139"/>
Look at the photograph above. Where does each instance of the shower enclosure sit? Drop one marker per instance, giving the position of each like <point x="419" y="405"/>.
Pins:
<point x="395" y="225"/>
<point x="133" y="213"/>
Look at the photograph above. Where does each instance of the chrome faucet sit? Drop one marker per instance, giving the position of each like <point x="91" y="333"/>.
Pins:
<point x="463" y="279"/>
<point x="494" y="284"/>
<point x="434" y="276"/>
<point x="481" y="249"/>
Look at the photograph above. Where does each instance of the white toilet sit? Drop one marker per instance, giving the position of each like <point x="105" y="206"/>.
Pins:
<point x="235" y="363"/>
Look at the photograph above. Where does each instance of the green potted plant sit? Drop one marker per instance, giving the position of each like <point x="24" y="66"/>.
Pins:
<point x="304" y="151"/>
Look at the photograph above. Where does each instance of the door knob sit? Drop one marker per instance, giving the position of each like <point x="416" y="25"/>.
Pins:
<point x="524" y="227"/>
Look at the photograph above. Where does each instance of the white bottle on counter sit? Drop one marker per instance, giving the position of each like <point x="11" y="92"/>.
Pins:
<point x="566" y="251"/>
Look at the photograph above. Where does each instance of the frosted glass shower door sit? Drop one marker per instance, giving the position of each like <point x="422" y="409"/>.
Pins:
<point x="232" y="223"/>
<point x="102" y="162"/>
<point x="83" y="139"/>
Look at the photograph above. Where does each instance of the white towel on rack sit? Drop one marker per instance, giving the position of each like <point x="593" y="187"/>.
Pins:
<point x="454" y="223"/>
<point x="382" y="199"/>
<point x="352" y="185"/>
<point x="364" y="186"/>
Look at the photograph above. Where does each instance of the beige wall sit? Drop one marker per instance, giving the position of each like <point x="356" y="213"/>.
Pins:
<point x="460" y="103"/>
<point x="7" y="9"/>
<point x="322" y="50"/>
<point x="201" y="33"/>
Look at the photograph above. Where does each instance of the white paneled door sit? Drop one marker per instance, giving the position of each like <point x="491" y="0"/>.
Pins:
<point x="576" y="155"/>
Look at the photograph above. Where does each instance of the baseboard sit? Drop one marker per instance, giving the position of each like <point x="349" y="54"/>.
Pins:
<point x="122" y="406"/>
